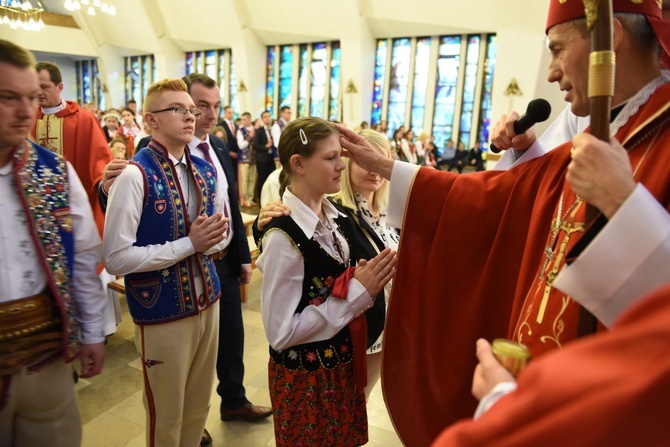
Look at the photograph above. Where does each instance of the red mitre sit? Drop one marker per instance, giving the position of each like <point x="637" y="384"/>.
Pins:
<point x="565" y="10"/>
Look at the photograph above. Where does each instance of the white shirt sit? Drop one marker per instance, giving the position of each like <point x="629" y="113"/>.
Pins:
<point x="21" y="271"/>
<point x="55" y="109"/>
<point x="283" y="271"/>
<point x="270" y="190"/>
<point x="221" y="180"/>
<point x="276" y="131"/>
<point x="242" y="142"/>
<point x="124" y="211"/>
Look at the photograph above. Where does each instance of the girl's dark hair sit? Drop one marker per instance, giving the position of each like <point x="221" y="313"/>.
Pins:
<point x="301" y="137"/>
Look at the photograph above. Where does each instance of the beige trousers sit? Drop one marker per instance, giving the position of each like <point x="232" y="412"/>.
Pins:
<point x="247" y="177"/>
<point x="41" y="408"/>
<point x="179" y="365"/>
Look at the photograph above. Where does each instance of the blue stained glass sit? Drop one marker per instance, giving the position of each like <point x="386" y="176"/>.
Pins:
<point x="270" y="80"/>
<point x="302" y="81"/>
<point x="378" y="86"/>
<point x="469" y="85"/>
<point x="222" y="68"/>
<point x="210" y="64"/>
<point x="86" y="78"/>
<point x="485" y="111"/>
<point x="400" y="63"/>
<point x="334" y="107"/>
<point x="448" y="63"/>
<point x="190" y="63"/>
<point x="318" y="70"/>
<point x="285" y="75"/>
<point x="421" y="62"/>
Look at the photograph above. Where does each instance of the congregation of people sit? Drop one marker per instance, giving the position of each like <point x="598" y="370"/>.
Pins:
<point x="155" y="197"/>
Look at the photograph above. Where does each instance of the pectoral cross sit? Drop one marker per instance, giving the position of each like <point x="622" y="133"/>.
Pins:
<point x="569" y="227"/>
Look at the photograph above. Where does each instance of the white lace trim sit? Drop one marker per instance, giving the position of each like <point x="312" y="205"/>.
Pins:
<point x="637" y="101"/>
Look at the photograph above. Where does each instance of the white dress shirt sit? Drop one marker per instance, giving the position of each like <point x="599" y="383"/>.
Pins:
<point x="221" y="180"/>
<point x="21" y="270"/>
<point x="276" y="131"/>
<point x="124" y="211"/>
<point x="242" y="142"/>
<point x="283" y="271"/>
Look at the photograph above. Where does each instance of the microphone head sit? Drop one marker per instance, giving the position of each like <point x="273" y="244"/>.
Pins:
<point x="538" y="110"/>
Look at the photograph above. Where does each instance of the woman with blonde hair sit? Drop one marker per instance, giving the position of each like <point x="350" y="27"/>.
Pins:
<point x="363" y="197"/>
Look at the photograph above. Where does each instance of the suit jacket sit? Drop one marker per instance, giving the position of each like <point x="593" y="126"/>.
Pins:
<point x="239" y="246"/>
<point x="263" y="154"/>
<point x="231" y="138"/>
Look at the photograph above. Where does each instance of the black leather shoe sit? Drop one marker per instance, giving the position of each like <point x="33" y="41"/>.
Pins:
<point x="248" y="412"/>
<point x="206" y="438"/>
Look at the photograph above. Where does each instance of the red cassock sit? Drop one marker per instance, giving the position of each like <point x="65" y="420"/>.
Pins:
<point x="471" y="250"/>
<point x="76" y="134"/>
<point x="611" y="389"/>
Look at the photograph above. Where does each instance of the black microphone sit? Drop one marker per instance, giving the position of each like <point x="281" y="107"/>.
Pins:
<point x="538" y="110"/>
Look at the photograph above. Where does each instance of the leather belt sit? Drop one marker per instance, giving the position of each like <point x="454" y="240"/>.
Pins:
<point x="220" y="255"/>
<point x="29" y="328"/>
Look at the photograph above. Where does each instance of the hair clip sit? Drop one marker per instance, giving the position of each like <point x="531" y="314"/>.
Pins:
<point x="303" y="137"/>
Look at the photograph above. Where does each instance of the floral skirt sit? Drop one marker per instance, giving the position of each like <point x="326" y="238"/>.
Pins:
<point x="319" y="408"/>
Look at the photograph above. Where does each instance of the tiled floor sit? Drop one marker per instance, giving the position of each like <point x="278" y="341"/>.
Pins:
<point x="111" y="403"/>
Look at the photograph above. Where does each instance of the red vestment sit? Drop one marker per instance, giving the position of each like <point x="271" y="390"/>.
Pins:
<point x="76" y="134"/>
<point x="450" y="290"/>
<point x="607" y="390"/>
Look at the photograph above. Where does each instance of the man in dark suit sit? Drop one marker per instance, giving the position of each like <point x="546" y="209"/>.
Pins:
<point x="233" y="264"/>
<point x="228" y="124"/>
<point x="265" y="151"/>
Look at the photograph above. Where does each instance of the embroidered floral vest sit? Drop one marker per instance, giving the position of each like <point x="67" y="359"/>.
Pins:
<point x="244" y="155"/>
<point x="45" y="195"/>
<point x="169" y="294"/>
<point x="321" y="269"/>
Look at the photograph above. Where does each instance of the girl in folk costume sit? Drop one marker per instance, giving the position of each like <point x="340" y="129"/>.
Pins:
<point x="313" y="299"/>
<point x="129" y="129"/>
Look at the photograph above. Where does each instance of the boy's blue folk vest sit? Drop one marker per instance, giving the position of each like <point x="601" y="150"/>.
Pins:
<point x="169" y="294"/>
<point x="44" y="190"/>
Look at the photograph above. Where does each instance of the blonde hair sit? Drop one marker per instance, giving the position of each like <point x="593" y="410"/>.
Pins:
<point x="301" y="137"/>
<point x="166" y="85"/>
<point x="347" y="196"/>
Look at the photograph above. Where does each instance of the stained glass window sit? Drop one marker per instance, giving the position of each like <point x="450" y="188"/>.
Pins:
<point x="400" y="63"/>
<point x="89" y="86"/>
<point x="285" y="75"/>
<point x="302" y="81"/>
<point x="140" y="73"/>
<point x="485" y="108"/>
<point x="448" y="62"/>
<point x="319" y="76"/>
<point x="334" y="86"/>
<point x="421" y="62"/>
<point x="210" y="64"/>
<point x="378" y="85"/>
<point x="469" y="85"/>
<point x="270" y="80"/>
<point x="218" y="65"/>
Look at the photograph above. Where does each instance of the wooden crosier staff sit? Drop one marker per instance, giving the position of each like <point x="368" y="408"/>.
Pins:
<point x="602" y="65"/>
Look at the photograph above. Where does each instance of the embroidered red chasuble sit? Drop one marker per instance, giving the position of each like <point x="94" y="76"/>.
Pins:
<point x="76" y="135"/>
<point x="450" y="289"/>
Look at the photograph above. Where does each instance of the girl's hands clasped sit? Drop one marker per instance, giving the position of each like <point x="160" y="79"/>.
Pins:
<point x="375" y="273"/>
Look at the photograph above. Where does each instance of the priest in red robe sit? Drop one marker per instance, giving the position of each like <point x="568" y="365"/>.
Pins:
<point x="70" y="131"/>
<point x="535" y="253"/>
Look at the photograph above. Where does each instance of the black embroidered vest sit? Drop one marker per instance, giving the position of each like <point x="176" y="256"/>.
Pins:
<point x="321" y="270"/>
